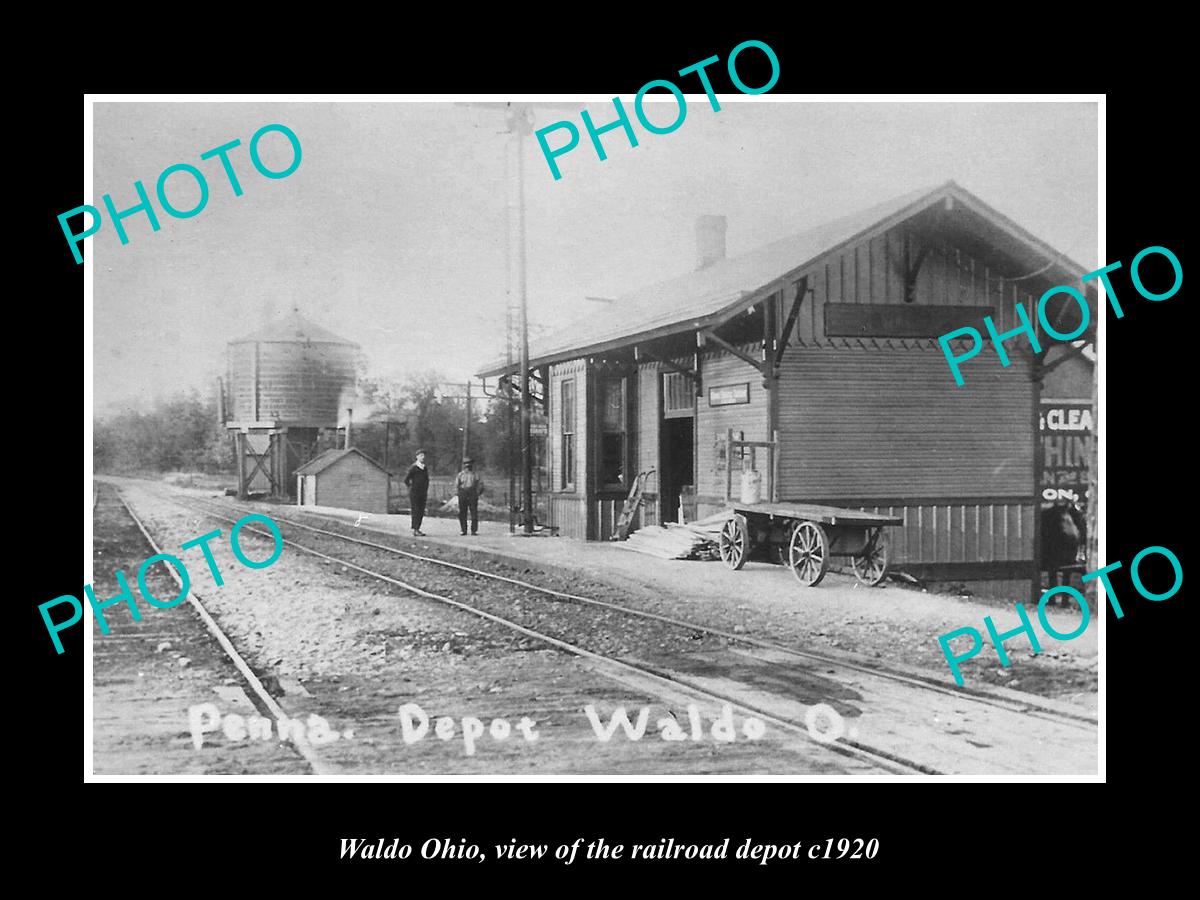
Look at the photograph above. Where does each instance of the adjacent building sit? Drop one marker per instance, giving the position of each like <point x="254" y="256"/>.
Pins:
<point x="348" y="479"/>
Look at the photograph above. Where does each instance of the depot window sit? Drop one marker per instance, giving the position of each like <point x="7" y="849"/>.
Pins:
<point x="567" y="424"/>
<point x="613" y="472"/>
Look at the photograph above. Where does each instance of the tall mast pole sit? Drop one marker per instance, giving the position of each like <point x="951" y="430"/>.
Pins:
<point x="519" y="124"/>
<point x="467" y="425"/>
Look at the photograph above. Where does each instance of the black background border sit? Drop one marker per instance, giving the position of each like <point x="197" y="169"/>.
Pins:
<point x="1145" y="420"/>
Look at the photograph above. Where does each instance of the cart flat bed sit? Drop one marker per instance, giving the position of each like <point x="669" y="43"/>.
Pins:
<point x="803" y="536"/>
<point x="812" y="512"/>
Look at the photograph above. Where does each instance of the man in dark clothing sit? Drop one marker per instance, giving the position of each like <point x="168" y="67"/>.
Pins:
<point x="417" y="482"/>
<point x="469" y="486"/>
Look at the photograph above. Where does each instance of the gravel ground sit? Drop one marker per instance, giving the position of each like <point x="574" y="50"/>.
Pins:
<point x="351" y="649"/>
<point x="889" y="627"/>
<point x="148" y="674"/>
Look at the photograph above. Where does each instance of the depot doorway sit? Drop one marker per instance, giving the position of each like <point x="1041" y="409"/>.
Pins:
<point x="677" y="453"/>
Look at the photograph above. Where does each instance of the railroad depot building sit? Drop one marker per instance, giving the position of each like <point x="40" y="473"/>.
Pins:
<point x="823" y="344"/>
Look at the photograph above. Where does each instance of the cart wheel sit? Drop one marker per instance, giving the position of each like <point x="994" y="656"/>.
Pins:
<point x="808" y="553"/>
<point x="735" y="542"/>
<point x="872" y="567"/>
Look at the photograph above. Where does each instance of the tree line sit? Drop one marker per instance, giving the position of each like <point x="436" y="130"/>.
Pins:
<point x="179" y="433"/>
<point x="424" y="418"/>
<point x="182" y="432"/>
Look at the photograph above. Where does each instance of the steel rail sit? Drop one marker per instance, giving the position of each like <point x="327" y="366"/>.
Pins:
<point x="1022" y="707"/>
<point x="846" y="747"/>
<point x="300" y="741"/>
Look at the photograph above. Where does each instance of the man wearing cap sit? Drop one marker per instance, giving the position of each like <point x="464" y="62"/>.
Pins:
<point x="469" y="486"/>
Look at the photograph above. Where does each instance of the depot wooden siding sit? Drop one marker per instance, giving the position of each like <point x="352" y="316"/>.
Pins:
<point x="865" y="423"/>
<point x="878" y="423"/>
<point x="963" y="532"/>
<point x="713" y="422"/>
<point x="872" y="272"/>
<point x="648" y="386"/>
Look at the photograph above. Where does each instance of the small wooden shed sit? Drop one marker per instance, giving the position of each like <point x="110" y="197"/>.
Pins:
<point x="348" y="479"/>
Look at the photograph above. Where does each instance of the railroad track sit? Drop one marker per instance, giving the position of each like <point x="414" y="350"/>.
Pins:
<point x="878" y="756"/>
<point x="881" y="758"/>
<point x="1030" y="707"/>
<point x="260" y="696"/>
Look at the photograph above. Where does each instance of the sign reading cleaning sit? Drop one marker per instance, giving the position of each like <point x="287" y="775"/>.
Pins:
<point x="1066" y="432"/>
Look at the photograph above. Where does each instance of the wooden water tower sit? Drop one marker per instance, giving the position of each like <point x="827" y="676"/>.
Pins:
<point x="283" y="390"/>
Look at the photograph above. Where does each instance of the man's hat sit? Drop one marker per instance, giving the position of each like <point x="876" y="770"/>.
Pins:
<point x="468" y="461"/>
<point x="419" y="452"/>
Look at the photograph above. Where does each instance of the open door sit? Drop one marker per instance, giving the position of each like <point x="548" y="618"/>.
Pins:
<point x="677" y="443"/>
<point x="677" y="453"/>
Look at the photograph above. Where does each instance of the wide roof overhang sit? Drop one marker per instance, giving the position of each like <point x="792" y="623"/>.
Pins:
<point x="949" y="209"/>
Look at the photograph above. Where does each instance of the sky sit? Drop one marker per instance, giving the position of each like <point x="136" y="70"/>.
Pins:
<point x="393" y="230"/>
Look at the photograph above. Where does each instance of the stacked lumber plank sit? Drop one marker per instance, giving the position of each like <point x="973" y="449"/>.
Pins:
<point x="709" y="527"/>
<point x="692" y="541"/>
<point x="665" y="543"/>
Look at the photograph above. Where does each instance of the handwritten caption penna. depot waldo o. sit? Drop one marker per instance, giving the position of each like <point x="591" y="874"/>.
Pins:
<point x="206" y="718"/>
<point x="180" y="574"/>
<point x="145" y="206"/>
<point x="1026" y="627"/>
<point x="822" y="722"/>
<point x="622" y="119"/>
<point x="1026" y="327"/>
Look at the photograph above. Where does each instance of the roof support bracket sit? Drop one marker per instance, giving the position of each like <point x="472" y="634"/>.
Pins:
<point x="1070" y="354"/>
<point x="745" y="357"/>
<point x="690" y="374"/>
<point x="802" y="289"/>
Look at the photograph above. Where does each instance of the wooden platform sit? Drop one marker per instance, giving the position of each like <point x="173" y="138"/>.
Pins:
<point x="825" y="515"/>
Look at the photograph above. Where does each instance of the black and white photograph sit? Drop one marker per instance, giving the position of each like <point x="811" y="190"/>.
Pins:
<point x="683" y="434"/>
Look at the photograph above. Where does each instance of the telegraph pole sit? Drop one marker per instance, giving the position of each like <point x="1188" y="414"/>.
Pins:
<point x="519" y="125"/>
<point x="467" y="425"/>
<point x="467" y="418"/>
<point x="519" y="118"/>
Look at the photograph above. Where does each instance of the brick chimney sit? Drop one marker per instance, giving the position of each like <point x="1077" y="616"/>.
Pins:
<point x="710" y="240"/>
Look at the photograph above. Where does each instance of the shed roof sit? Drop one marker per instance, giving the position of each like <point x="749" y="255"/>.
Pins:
<point x="696" y="299"/>
<point x="330" y="457"/>
<point x="293" y="328"/>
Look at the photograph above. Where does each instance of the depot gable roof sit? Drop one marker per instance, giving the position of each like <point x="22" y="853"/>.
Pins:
<point x="704" y="297"/>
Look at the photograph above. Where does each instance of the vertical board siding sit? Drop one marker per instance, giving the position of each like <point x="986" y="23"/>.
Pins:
<point x="607" y="512"/>
<point x="816" y="306"/>
<point x="878" y="255"/>
<point x="956" y="532"/>
<point x="648" y="386"/>
<point x="750" y="418"/>
<point x="568" y="513"/>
